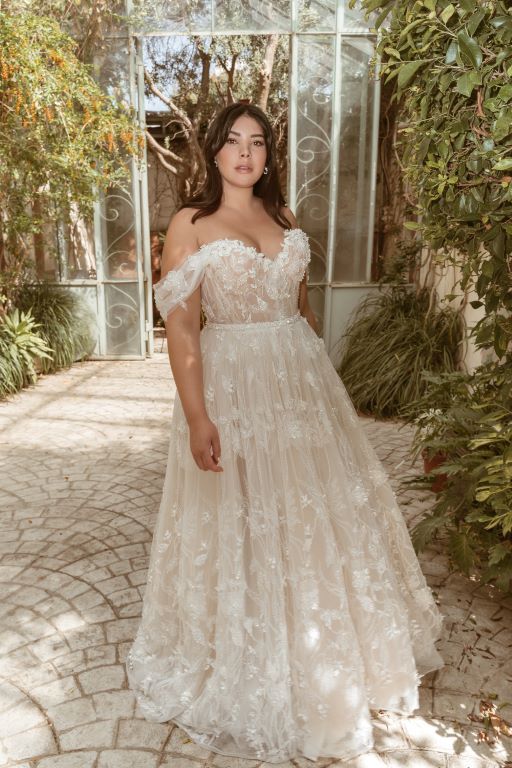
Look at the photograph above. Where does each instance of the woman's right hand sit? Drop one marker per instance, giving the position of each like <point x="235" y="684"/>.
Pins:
<point x="205" y="444"/>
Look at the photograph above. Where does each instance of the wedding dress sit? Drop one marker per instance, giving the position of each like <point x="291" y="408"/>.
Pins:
<point x="284" y="598"/>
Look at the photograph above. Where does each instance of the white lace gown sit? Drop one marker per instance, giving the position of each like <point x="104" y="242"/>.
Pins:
<point x="284" y="598"/>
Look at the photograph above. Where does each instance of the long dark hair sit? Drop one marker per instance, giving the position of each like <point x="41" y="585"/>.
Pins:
<point x="268" y="188"/>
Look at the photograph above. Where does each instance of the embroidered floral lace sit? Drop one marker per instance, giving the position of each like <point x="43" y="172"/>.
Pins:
<point x="284" y="598"/>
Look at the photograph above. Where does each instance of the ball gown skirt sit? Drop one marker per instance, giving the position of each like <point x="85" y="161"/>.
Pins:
<point x="284" y="598"/>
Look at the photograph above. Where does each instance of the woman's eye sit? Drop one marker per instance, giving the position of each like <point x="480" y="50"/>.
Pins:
<point x="229" y="140"/>
<point x="259" y="143"/>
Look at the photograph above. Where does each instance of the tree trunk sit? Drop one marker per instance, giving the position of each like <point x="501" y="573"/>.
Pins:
<point x="266" y="70"/>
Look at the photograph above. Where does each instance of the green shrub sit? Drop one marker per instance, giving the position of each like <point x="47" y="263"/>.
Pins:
<point x="394" y="336"/>
<point x="65" y="323"/>
<point x="20" y="350"/>
<point x="467" y="419"/>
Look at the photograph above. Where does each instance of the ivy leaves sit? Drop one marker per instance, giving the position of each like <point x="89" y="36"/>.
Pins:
<point x="452" y="63"/>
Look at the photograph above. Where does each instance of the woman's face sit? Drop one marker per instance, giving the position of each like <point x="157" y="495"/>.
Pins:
<point x="242" y="158"/>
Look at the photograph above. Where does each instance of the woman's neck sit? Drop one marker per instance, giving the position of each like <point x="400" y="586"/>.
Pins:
<point x="240" y="199"/>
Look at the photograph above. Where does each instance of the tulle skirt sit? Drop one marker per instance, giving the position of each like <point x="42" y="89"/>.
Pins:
<point x="284" y="598"/>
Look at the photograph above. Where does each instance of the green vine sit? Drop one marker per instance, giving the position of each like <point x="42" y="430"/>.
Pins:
<point x="453" y="64"/>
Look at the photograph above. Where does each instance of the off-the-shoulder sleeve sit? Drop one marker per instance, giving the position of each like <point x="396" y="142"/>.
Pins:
<point x="178" y="284"/>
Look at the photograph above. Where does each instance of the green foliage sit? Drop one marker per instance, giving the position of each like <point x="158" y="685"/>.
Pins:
<point x="65" y="323"/>
<point x="62" y="139"/>
<point x="452" y="64"/>
<point x="20" y="349"/>
<point x="471" y="425"/>
<point x="392" y="338"/>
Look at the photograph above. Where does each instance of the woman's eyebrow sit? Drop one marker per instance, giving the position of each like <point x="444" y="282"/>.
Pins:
<point x="252" y="134"/>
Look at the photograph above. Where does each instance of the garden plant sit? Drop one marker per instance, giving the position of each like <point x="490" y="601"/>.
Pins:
<point x="63" y="141"/>
<point x="452" y="65"/>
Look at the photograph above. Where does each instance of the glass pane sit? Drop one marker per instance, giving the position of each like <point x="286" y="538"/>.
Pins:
<point x="78" y="21"/>
<point x="354" y="19"/>
<point x="44" y="252"/>
<point x="317" y="16"/>
<point x="316" y="299"/>
<point x="313" y="151"/>
<point x="78" y="238"/>
<point x="253" y="15"/>
<point x="122" y="319"/>
<point x="175" y="16"/>
<point x="120" y="246"/>
<point x="111" y="68"/>
<point x="65" y="251"/>
<point x="354" y="184"/>
<point x="88" y="294"/>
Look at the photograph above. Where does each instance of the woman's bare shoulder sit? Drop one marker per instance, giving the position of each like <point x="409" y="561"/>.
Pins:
<point x="181" y="239"/>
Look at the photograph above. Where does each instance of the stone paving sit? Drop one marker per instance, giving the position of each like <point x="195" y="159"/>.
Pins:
<point x="81" y="467"/>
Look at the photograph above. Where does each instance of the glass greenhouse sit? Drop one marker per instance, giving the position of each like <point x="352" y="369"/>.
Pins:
<point x="332" y="132"/>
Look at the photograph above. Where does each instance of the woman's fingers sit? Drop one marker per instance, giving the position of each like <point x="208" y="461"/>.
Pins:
<point x="210" y="463"/>
<point x="216" y="447"/>
<point x="205" y="446"/>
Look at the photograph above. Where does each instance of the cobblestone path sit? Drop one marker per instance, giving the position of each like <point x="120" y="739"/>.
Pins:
<point x="82" y="458"/>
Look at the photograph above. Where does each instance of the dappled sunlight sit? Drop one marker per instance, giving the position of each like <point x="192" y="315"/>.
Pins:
<point x="79" y="500"/>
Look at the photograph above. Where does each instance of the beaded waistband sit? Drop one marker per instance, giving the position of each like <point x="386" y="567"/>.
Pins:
<point x="242" y="326"/>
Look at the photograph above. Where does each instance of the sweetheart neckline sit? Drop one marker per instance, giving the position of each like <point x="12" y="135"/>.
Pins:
<point x="253" y="247"/>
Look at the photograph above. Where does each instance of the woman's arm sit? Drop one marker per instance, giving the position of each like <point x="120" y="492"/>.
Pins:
<point x="304" y="308"/>
<point x="182" y="330"/>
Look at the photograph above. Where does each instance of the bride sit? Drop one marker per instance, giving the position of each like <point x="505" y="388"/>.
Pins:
<point x="284" y="599"/>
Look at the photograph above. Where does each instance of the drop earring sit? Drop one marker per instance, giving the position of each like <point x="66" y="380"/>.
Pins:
<point x="265" y="170"/>
<point x="216" y="163"/>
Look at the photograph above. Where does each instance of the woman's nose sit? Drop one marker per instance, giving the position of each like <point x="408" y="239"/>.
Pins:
<point x="244" y="151"/>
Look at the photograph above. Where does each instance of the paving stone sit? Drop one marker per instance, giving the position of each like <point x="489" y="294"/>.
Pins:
<point x="140" y="733"/>
<point x="124" y="597"/>
<point x="100" y="655"/>
<point x="123" y="629"/>
<point x="21" y="717"/>
<point x="73" y="760"/>
<point x="225" y="761"/>
<point x="90" y="736"/>
<point x="69" y="620"/>
<point x="434" y="735"/>
<point x="181" y="743"/>
<point x="50" y="647"/>
<point x="10" y="695"/>
<point x="456" y="761"/>
<point x="72" y="713"/>
<point x="388" y="734"/>
<point x="100" y="613"/>
<point x="114" y="704"/>
<point x="11" y="640"/>
<point x="56" y="692"/>
<point x="417" y="758"/>
<point x="87" y="637"/>
<point x="122" y="758"/>
<point x="367" y="760"/>
<point x="102" y="678"/>
<point x="35" y="742"/>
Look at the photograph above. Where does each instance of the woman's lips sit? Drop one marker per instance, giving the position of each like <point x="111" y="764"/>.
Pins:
<point x="243" y="168"/>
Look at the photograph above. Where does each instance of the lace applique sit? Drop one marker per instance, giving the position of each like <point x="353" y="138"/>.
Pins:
<point x="239" y="284"/>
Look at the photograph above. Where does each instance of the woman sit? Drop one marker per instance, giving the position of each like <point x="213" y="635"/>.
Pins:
<point x="284" y="598"/>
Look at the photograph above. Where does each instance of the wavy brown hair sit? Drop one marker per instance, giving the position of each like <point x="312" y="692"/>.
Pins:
<point x="268" y="187"/>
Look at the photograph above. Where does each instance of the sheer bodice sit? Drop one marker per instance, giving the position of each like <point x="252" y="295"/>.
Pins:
<point x="239" y="284"/>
